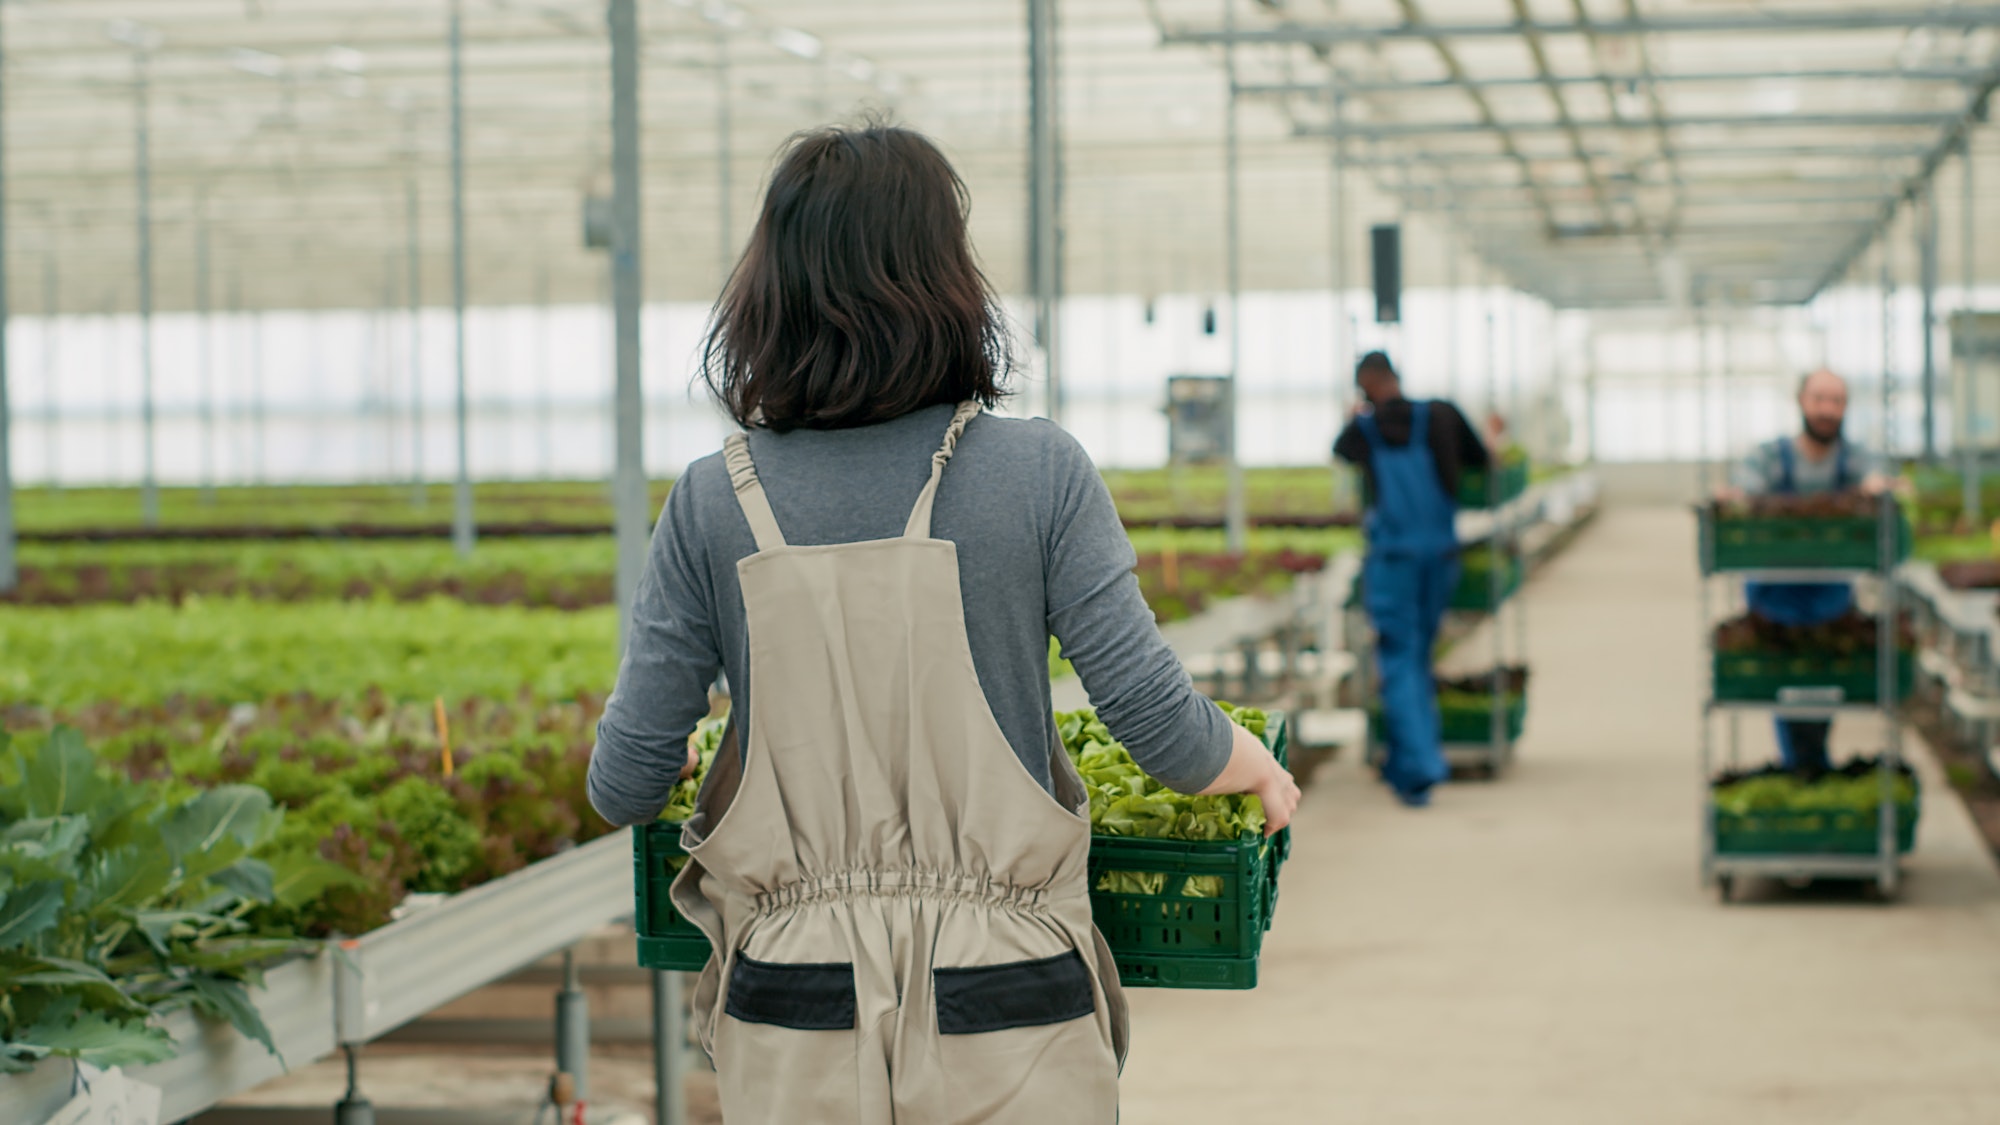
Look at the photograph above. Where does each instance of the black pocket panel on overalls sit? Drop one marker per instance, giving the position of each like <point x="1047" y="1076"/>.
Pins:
<point x="799" y="997"/>
<point x="1022" y="994"/>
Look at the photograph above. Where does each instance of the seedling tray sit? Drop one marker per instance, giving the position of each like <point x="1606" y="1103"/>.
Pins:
<point x="1474" y="486"/>
<point x="1165" y="940"/>
<point x="1799" y="542"/>
<point x="1475" y="587"/>
<point x="1805" y="680"/>
<point x="1829" y="832"/>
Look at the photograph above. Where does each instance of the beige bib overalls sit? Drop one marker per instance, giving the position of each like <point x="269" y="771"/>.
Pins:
<point x="900" y="913"/>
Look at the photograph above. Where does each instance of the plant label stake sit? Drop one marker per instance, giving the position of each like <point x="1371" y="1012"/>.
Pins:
<point x="444" y="734"/>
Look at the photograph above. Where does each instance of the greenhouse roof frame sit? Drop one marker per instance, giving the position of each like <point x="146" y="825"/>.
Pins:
<point x="1904" y="86"/>
<point x="1649" y="139"/>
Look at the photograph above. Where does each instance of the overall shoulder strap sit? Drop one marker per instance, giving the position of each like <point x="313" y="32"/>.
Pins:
<point x="1843" y="465"/>
<point x="919" y="526"/>
<point x="1371" y="432"/>
<point x="1420" y="422"/>
<point x="1787" y="466"/>
<point x="750" y="492"/>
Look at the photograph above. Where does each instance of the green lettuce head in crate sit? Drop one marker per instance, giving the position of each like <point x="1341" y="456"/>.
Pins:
<point x="1127" y="801"/>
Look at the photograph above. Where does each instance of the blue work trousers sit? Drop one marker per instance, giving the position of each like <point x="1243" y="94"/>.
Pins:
<point x="1802" y="743"/>
<point x="1406" y="595"/>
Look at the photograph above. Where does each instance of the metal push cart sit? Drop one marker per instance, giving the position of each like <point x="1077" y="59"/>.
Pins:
<point x="1508" y="630"/>
<point x="1809" y="858"/>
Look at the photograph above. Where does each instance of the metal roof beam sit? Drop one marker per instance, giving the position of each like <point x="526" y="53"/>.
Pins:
<point x="1390" y="131"/>
<point x="1844" y="151"/>
<point x="1542" y="68"/>
<point x="1958" y="75"/>
<point x="1961" y="128"/>
<point x="1491" y="120"/>
<point x="1967" y="17"/>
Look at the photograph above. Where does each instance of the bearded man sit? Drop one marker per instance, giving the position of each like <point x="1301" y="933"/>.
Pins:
<point x="1819" y="458"/>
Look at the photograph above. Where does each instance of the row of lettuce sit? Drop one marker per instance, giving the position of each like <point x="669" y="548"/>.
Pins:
<point x="164" y="867"/>
<point x="154" y="872"/>
<point x="219" y="753"/>
<point x="1180" y="572"/>
<point x="198" y="785"/>
<point x="1143" y="496"/>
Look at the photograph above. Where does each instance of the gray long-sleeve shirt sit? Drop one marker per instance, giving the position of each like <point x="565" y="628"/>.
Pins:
<point x="1041" y="552"/>
<point x="1762" y="470"/>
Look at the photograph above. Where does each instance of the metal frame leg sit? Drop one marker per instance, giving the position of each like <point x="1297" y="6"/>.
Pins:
<point x="573" y="1032"/>
<point x="669" y="1051"/>
<point x="353" y="1109"/>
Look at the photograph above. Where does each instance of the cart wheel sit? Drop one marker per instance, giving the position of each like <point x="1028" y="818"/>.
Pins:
<point x="1725" y="887"/>
<point x="1885" y="888"/>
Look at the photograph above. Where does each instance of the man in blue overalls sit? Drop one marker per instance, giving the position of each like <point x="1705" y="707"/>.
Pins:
<point x="1411" y="453"/>
<point x="1816" y="459"/>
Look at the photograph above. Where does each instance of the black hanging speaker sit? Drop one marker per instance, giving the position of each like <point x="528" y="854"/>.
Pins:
<point x="1386" y="241"/>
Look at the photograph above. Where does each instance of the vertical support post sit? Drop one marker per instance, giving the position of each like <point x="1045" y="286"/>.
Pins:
<point x="1968" y="396"/>
<point x="1343" y="328"/>
<point x="629" y="475"/>
<point x="1590" y="393"/>
<point x="1516" y="399"/>
<point x="1453" y="314"/>
<point x="1886" y="684"/>
<point x="669" y="1051"/>
<point x="725" y="158"/>
<point x="544" y="370"/>
<point x="1725" y="378"/>
<point x="1704" y="459"/>
<point x="1888" y="288"/>
<point x="385" y="356"/>
<point x="1492" y="363"/>
<point x="628" y="294"/>
<point x="573" y="1030"/>
<point x="419" y="493"/>
<point x="236" y="321"/>
<point x="9" y="571"/>
<point x="204" y="308"/>
<point x="260" y="404"/>
<point x="1343" y="343"/>
<point x="1236" y="519"/>
<point x="51" y="303"/>
<point x="462" y="532"/>
<point x="142" y="164"/>
<point x="1045" y="195"/>
<point x="1927" y="259"/>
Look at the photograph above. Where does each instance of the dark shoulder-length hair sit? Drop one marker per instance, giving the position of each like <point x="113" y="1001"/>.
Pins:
<point x="858" y="299"/>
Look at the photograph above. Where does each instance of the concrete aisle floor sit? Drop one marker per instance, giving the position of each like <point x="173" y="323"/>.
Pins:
<point x="1539" y="950"/>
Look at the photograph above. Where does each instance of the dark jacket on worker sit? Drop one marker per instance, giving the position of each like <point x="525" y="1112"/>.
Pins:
<point x="1455" y="445"/>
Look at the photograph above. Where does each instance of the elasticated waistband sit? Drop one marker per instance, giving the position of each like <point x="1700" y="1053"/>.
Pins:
<point x="837" y="886"/>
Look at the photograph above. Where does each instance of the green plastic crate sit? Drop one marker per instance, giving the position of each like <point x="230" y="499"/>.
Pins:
<point x="667" y="941"/>
<point x="1475" y="587"/>
<point x="1810" y="679"/>
<point x="1466" y="724"/>
<point x="1169" y="940"/>
<point x="1798" y="542"/>
<point x="1166" y="940"/>
<point x="1474" y="485"/>
<point x="1475" y="724"/>
<point x="1810" y="833"/>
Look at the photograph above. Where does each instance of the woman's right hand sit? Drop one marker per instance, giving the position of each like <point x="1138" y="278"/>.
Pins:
<point x="1252" y="769"/>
